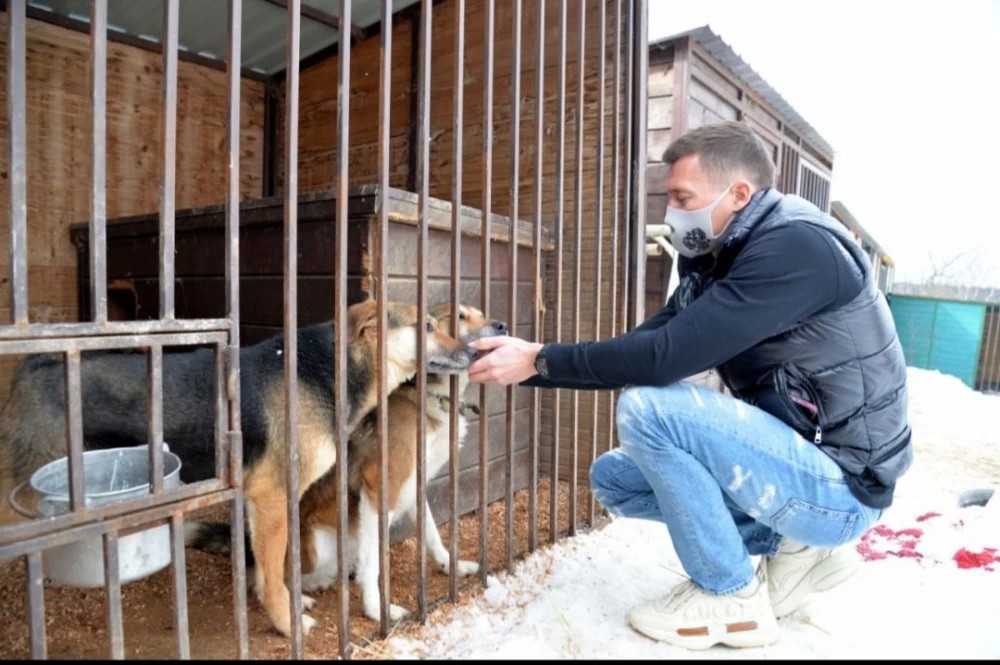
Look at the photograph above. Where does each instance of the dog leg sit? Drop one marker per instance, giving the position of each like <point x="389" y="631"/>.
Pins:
<point x="322" y="556"/>
<point x="367" y="567"/>
<point x="434" y="546"/>
<point x="269" y="539"/>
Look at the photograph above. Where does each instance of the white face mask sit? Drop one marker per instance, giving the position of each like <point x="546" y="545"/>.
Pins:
<point x="692" y="233"/>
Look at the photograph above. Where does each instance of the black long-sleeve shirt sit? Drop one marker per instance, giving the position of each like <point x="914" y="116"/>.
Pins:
<point x="779" y="278"/>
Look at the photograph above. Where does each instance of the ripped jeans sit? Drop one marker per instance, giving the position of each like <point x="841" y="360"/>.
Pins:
<point x="728" y="479"/>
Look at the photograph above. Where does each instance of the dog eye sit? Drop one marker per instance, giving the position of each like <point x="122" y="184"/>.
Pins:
<point x="430" y="327"/>
<point x="461" y="316"/>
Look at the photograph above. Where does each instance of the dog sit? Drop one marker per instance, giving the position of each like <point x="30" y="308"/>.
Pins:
<point x="318" y="510"/>
<point x="114" y="389"/>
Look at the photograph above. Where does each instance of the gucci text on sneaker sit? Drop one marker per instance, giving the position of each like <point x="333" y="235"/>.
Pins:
<point x="691" y="618"/>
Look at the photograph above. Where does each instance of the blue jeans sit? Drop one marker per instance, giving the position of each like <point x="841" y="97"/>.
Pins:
<point x="728" y="479"/>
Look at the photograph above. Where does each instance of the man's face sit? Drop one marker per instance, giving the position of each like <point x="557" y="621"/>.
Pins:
<point x="689" y="188"/>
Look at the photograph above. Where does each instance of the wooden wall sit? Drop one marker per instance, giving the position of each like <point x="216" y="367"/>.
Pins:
<point x="59" y="121"/>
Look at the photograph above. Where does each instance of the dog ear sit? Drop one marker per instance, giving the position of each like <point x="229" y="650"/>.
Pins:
<point x="361" y="316"/>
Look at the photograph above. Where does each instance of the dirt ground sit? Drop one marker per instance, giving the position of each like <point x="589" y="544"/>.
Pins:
<point x="76" y="625"/>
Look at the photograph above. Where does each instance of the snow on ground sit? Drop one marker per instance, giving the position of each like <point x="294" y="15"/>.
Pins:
<point x="927" y="587"/>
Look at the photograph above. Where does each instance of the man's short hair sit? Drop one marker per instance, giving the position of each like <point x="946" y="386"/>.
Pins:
<point x="726" y="150"/>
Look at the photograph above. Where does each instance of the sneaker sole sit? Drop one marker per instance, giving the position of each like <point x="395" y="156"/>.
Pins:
<point x="819" y="579"/>
<point x="737" y="635"/>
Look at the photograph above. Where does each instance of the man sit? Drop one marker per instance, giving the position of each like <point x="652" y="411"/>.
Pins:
<point x="803" y="457"/>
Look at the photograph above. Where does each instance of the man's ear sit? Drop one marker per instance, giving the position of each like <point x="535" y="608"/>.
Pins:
<point x="742" y="191"/>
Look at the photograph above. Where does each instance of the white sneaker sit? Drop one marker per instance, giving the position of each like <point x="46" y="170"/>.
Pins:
<point x="798" y="570"/>
<point x="694" y="619"/>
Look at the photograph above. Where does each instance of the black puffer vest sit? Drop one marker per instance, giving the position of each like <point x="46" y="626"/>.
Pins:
<point x="838" y="377"/>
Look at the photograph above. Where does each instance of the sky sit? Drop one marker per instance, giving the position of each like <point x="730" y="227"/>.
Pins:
<point x="908" y="94"/>
<point x="910" y="599"/>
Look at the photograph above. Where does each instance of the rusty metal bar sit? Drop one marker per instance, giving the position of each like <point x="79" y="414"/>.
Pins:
<point x="381" y="291"/>
<point x="25" y="537"/>
<point x="581" y="72"/>
<point x="628" y="284"/>
<point x="423" y="213"/>
<point x="113" y="589"/>
<point x="340" y="313"/>
<point x="234" y="461"/>
<point x="155" y="394"/>
<point x="290" y="350"/>
<point x="169" y="143"/>
<point x="616" y="163"/>
<point x="560" y="210"/>
<point x="640" y="46"/>
<point x="64" y="345"/>
<point x="485" y="277"/>
<point x="74" y="430"/>
<point x="456" y="293"/>
<point x="180" y="586"/>
<point x="539" y="295"/>
<point x="36" y="606"/>
<point x="76" y="330"/>
<point x="219" y="360"/>
<point x="17" y="161"/>
<point x="98" y="155"/>
<point x="599" y="231"/>
<point x="515" y="195"/>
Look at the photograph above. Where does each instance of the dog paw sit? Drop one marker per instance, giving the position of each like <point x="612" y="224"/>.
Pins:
<point x="308" y="602"/>
<point x="467" y="568"/>
<point x="396" y="612"/>
<point x="317" y="581"/>
<point x="308" y="623"/>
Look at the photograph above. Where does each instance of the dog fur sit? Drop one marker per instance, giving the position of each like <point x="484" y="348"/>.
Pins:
<point x="114" y="394"/>
<point x="319" y="509"/>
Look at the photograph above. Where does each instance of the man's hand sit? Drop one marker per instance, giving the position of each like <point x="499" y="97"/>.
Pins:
<point x="511" y="360"/>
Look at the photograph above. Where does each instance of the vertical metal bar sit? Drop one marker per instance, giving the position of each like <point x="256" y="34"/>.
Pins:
<point x="154" y="362"/>
<point x="423" y="212"/>
<point x="515" y="195"/>
<point x="456" y="262"/>
<point x="235" y="461"/>
<point x="291" y="245"/>
<point x="17" y="161"/>
<point x="221" y="414"/>
<point x="113" y="589"/>
<point x="990" y="376"/>
<point x="382" y="244"/>
<point x="484" y="292"/>
<point x="628" y="283"/>
<point x="180" y="586"/>
<point x="599" y="231"/>
<point x="616" y="217"/>
<point x="539" y="295"/>
<point x="640" y="45"/>
<point x="340" y="310"/>
<point x="98" y="143"/>
<point x="169" y="143"/>
<point x="36" y="605"/>
<point x="560" y="208"/>
<point x="581" y="57"/>
<point x="74" y="429"/>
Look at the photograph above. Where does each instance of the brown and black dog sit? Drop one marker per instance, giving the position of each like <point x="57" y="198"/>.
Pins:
<point x="319" y="510"/>
<point x="114" y="394"/>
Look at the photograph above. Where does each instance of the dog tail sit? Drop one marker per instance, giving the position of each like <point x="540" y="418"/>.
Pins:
<point x="215" y="538"/>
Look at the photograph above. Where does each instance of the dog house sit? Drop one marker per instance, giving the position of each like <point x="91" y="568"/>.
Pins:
<point x="157" y="196"/>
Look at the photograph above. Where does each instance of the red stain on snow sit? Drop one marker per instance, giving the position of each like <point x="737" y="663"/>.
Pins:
<point x="881" y="542"/>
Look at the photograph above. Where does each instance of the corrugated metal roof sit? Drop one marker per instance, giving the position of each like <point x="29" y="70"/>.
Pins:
<point x="202" y="25"/>
<point x="725" y="54"/>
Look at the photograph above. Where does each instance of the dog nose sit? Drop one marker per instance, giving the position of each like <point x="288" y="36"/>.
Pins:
<point x="500" y="327"/>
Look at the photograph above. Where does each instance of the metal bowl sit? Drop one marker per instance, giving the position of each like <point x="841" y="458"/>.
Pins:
<point x="110" y="476"/>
